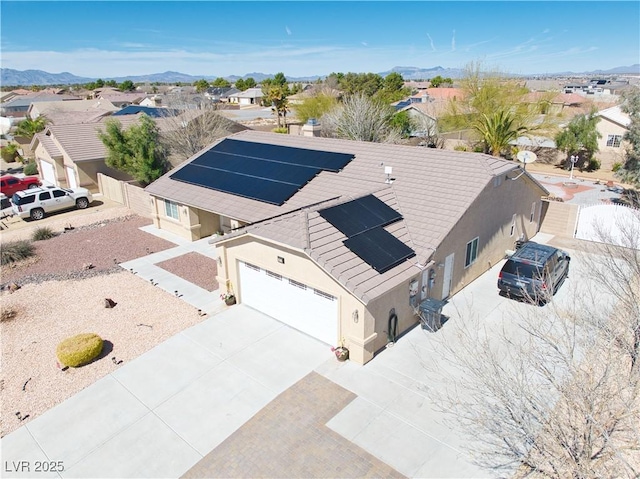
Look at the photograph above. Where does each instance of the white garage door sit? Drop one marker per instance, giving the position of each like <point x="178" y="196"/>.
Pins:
<point x="48" y="172"/>
<point x="71" y="177"/>
<point x="300" y="306"/>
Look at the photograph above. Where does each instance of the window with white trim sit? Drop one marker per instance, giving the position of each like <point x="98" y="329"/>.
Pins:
<point x="472" y="252"/>
<point x="171" y="209"/>
<point x="614" y="140"/>
<point x="513" y="225"/>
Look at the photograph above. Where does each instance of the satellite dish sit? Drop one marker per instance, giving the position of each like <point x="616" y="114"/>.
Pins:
<point x="526" y="157"/>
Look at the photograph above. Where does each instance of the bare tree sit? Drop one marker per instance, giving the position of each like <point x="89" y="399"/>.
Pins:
<point x="552" y="391"/>
<point x="362" y="119"/>
<point x="191" y="124"/>
<point x="428" y="128"/>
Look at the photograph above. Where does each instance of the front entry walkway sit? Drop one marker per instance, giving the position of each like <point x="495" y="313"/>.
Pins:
<point x="289" y="438"/>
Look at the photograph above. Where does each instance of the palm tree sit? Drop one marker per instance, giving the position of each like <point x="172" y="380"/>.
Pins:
<point x="29" y="127"/>
<point x="497" y="130"/>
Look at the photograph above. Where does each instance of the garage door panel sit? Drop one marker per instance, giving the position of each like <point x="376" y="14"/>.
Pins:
<point x="48" y="172"/>
<point x="300" y="306"/>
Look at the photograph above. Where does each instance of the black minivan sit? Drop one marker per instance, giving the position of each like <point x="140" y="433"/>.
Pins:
<point x="534" y="272"/>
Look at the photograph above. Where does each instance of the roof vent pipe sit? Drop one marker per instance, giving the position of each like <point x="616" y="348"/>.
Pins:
<point x="387" y="171"/>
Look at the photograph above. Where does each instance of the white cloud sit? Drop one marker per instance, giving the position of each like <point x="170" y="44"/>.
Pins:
<point x="287" y="30"/>
<point x="433" y="48"/>
<point x="365" y="44"/>
<point x="453" y="42"/>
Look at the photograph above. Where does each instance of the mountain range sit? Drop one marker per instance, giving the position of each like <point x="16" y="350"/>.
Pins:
<point x="12" y="77"/>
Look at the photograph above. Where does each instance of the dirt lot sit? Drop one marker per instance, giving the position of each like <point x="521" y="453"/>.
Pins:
<point x="59" y="298"/>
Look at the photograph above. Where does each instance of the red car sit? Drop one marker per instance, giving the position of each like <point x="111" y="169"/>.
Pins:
<point x="9" y="184"/>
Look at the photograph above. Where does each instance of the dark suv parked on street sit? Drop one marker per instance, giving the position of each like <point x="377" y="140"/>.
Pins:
<point x="534" y="272"/>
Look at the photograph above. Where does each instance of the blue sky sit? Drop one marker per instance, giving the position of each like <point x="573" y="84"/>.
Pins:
<point x="117" y="38"/>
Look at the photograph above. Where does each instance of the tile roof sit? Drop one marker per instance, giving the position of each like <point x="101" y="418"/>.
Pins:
<point x="49" y="107"/>
<point x="49" y="145"/>
<point x="616" y="115"/>
<point x="442" y="93"/>
<point x="80" y="141"/>
<point x="432" y="190"/>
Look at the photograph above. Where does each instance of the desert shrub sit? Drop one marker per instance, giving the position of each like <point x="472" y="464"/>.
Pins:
<point x="79" y="350"/>
<point x="10" y="153"/>
<point x="8" y="314"/>
<point x="593" y="164"/>
<point x="16" y="251"/>
<point x="30" y="169"/>
<point x="461" y="148"/>
<point x="42" y="233"/>
<point x="616" y="166"/>
<point x="283" y="130"/>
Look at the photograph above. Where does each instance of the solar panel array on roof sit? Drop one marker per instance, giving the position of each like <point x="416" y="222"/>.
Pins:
<point x="362" y="221"/>
<point x="379" y="249"/>
<point x="259" y="171"/>
<point x="150" y="111"/>
<point x="359" y="215"/>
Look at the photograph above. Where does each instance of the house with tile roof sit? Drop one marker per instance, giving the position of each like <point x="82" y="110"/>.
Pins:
<point x="251" y="96"/>
<point x="612" y="126"/>
<point x="68" y="112"/>
<point x="72" y="155"/>
<point x="350" y="252"/>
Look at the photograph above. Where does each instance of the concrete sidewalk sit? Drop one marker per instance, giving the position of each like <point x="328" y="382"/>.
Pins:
<point x="145" y="267"/>
<point x="159" y="414"/>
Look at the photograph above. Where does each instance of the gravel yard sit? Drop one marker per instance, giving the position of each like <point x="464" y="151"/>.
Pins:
<point x="58" y="299"/>
<point x="195" y="268"/>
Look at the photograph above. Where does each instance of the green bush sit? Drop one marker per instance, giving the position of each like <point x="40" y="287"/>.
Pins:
<point x="461" y="148"/>
<point x="30" y="169"/>
<point x="616" y="166"/>
<point x="16" y="251"/>
<point x="42" y="233"/>
<point x="283" y="130"/>
<point x="10" y="153"/>
<point x="593" y="164"/>
<point x="79" y="350"/>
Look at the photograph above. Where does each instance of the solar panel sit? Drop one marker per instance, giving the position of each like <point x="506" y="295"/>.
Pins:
<point x="263" y="172"/>
<point x="298" y="175"/>
<point x="269" y="191"/>
<point x="324" y="160"/>
<point x="379" y="249"/>
<point x="360" y="215"/>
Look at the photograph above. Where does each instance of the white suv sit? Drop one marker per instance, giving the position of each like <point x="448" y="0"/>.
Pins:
<point x="35" y="202"/>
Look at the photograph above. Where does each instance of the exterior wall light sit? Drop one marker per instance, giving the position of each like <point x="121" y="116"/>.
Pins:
<point x="280" y="260"/>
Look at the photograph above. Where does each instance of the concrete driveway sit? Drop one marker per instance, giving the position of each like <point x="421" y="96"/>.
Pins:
<point x="216" y="385"/>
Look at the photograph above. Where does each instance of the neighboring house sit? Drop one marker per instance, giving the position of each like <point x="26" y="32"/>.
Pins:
<point x="68" y="112"/>
<point x="219" y="94"/>
<point x="120" y="99"/>
<point x="73" y="155"/>
<point x="19" y="105"/>
<point x="417" y="85"/>
<point x="154" y="101"/>
<point x="251" y="96"/>
<point x="153" y="112"/>
<point x="344" y="249"/>
<point x="423" y="115"/>
<point x="612" y="126"/>
<point x="552" y="103"/>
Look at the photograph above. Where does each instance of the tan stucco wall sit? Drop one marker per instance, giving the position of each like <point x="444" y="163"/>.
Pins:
<point x="192" y="224"/>
<point x="489" y="218"/>
<point x="378" y="312"/>
<point x="353" y="330"/>
<point x="609" y="155"/>
<point x="88" y="172"/>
